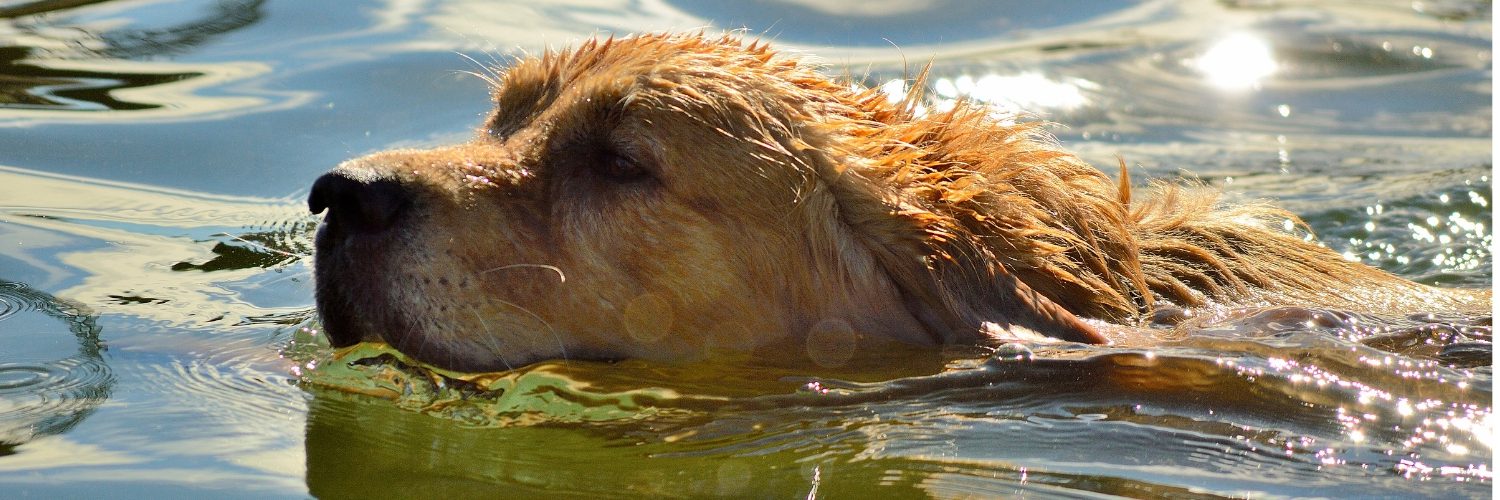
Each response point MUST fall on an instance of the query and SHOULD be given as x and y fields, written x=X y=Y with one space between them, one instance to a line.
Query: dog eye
x=620 y=168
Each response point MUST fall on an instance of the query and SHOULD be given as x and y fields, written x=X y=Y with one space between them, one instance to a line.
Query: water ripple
x=47 y=388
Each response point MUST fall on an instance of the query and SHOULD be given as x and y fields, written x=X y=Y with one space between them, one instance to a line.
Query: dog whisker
x=561 y=278
x=494 y=342
x=552 y=331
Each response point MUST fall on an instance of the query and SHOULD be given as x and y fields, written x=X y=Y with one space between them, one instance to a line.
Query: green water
x=155 y=279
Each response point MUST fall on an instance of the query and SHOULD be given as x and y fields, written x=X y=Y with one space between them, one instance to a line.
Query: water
x=155 y=291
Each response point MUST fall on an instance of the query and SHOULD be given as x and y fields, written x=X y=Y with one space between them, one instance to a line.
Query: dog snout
x=358 y=200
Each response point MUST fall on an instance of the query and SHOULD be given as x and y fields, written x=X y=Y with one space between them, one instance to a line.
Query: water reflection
x=1008 y=97
x=51 y=376
x=150 y=275
x=133 y=253
x=28 y=84
x=869 y=8
x=65 y=64
x=1300 y=412
x=853 y=33
x=213 y=20
x=1239 y=61
x=1025 y=92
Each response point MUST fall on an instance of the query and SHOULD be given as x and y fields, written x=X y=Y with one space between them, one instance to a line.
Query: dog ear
x=948 y=280
x=957 y=287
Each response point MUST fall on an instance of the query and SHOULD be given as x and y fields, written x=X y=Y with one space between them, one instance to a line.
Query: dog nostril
x=361 y=202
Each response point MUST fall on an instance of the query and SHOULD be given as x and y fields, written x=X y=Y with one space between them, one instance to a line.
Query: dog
x=670 y=196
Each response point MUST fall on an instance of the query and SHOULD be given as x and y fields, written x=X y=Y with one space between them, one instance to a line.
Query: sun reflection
x=1456 y=429
x=1239 y=61
x=1007 y=94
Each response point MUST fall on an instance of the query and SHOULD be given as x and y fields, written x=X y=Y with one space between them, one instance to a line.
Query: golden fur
x=669 y=196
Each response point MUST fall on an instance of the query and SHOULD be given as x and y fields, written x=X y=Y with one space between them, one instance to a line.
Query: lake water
x=155 y=274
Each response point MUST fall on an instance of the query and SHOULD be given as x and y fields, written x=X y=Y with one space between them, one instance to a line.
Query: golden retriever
x=671 y=196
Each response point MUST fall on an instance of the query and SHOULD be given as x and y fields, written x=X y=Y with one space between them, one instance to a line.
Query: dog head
x=664 y=197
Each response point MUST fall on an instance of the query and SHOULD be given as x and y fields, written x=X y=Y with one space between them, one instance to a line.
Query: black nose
x=358 y=200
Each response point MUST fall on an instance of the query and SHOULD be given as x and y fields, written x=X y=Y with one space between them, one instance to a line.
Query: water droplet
x=1013 y=351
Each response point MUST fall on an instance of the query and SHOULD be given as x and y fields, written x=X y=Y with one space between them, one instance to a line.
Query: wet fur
x=787 y=202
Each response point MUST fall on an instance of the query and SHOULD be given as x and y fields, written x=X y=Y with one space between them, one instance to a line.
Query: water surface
x=156 y=301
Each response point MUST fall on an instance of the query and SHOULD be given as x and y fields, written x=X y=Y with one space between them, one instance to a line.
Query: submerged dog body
x=668 y=196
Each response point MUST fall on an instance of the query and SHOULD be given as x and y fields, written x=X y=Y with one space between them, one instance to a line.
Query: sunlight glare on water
x=1237 y=62
x=1027 y=91
x=1004 y=95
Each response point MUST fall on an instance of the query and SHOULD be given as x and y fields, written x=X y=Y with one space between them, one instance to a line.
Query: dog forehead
x=560 y=83
x=736 y=110
x=686 y=70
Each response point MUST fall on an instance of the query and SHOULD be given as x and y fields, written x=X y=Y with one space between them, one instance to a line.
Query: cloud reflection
x=1239 y=61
